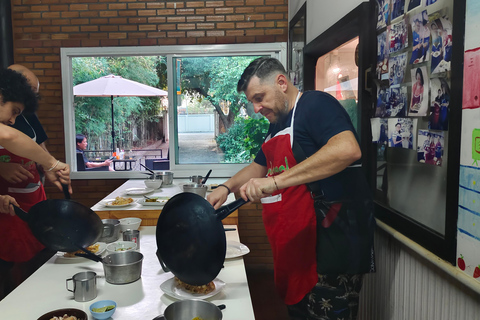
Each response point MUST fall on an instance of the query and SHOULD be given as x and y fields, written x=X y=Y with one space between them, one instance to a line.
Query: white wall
x=321 y=15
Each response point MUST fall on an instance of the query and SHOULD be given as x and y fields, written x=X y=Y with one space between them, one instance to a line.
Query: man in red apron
x=323 y=129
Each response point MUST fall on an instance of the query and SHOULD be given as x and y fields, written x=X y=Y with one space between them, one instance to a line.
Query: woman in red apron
x=19 y=243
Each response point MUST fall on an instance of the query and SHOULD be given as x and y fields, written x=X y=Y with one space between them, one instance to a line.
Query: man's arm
x=220 y=194
x=105 y=163
x=339 y=152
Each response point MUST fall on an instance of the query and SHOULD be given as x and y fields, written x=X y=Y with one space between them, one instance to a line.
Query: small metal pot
x=200 y=189
x=111 y=230
x=189 y=309
x=166 y=176
x=123 y=267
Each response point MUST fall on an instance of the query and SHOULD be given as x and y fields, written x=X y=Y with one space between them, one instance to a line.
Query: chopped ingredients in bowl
x=65 y=317
x=103 y=309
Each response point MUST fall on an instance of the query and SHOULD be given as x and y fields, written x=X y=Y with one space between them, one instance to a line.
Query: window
x=196 y=110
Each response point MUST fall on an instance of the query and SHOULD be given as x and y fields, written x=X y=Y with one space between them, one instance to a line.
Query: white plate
x=108 y=203
x=160 y=201
x=236 y=249
x=101 y=249
x=170 y=289
x=137 y=191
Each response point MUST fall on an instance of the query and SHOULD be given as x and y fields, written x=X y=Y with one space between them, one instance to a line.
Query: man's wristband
x=222 y=185
x=53 y=167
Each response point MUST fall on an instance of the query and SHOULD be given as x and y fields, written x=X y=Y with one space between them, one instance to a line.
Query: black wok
x=62 y=224
x=191 y=239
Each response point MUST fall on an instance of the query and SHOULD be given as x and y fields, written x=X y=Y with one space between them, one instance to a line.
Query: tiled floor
x=266 y=303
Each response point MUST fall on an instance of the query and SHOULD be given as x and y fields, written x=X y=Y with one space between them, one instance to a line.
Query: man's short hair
x=14 y=87
x=79 y=138
x=263 y=68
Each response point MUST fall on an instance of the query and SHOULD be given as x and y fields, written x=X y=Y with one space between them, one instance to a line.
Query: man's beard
x=282 y=111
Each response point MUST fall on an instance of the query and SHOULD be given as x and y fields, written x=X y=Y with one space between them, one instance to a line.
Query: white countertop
x=45 y=290
x=163 y=191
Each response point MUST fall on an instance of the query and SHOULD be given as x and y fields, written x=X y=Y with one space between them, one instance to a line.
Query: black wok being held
x=191 y=240
x=62 y=224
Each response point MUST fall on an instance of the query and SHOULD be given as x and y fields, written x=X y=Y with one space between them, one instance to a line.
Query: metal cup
x=84 y=286
x=132 y=235
x=196 y=179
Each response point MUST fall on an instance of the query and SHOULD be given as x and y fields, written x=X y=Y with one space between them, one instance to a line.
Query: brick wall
x=42 y=27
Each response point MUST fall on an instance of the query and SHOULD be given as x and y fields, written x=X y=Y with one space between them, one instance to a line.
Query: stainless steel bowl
x=123 y=267
x=166 y=176
x=111 y=230
x=189 y=309
x=200 y=189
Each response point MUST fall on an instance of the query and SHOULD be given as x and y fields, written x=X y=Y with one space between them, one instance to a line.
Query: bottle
x=122 y=155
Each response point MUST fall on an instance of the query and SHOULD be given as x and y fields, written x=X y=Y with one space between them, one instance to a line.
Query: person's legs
x=333 y=297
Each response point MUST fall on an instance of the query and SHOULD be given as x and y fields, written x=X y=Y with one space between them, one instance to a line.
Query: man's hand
x=257 y=188
x=107 y=162
x=14 y=172
x=6 y=205
x=218 y=197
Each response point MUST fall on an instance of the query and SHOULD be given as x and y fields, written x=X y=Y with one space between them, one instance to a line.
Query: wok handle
x=88 y=255
x=65 y=191
x=164 y=267
x=225 y=211
x=21 y=213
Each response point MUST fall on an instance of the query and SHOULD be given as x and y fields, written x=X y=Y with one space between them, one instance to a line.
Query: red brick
x=147 y=27
x=196 y=34
x=215 y=33
x=265 y=24
x=147 y=12
x=187 y=41
x=80 y=7
x=244 y=25
x=254 y=2
x=117 y=6
x=225 y=25
x=129 y=42
x=205 y=11
x=274 y=16
x=186 y=26
x=117 y=35
x=109 y=28
x=137 y=20
x=166 y=12
x=129 y=28
x=275 y=31
x=196 y=19
x=109 y=13
x=215 y=18
x=182 y=12
x=97 y=7
x=137 y=5
x=235 y=18
x=207 y=40
x=129 y=13
x=195 y=4
x=275 y=2
x=157 y=20
x=148 y=42
x=214 y=3
x=175 y=19
x=244 y=10
x=156 y=34
x=70 y=29
x=234 y=3
x=39 y=8
x=223 y=10
x=205 y=26
x=80 y=21
x=176 y=34
x=117 y=21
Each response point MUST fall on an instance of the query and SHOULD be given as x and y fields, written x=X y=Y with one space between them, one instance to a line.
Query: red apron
x=18 y=242
x=290 y=223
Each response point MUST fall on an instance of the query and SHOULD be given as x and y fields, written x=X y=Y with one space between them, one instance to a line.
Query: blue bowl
x=100 y=304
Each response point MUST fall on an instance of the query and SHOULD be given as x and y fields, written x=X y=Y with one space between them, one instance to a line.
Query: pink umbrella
x=115 y=86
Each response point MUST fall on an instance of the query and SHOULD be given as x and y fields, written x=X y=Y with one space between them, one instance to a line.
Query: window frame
x=277 y=50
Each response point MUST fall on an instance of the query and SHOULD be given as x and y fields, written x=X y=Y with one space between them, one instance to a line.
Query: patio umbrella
x=115 y=86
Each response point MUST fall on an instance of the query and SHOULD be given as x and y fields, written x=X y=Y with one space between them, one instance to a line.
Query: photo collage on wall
x=414 y=48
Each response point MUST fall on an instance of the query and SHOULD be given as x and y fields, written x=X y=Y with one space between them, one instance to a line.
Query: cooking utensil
x=189 y=309
x=166 y=176
x=197 y=188
x=196 y=179
x=191 y=239
x=148 y=169
x=123 y=267
x=111 y=230
x=162 y=316
x=84 y=286
x=62 y=224
x=206 y=177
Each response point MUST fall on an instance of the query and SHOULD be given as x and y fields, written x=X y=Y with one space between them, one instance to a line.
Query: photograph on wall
x=441 y=52
x=430 y=147
x=412 y=4
x=380 y=136
x=398 y=8
x=439 y=101
x=382 y=54
x=397 y=101
x=419 y=101
x=397 y=66
x=402 y=133
x=383 y=13
x=397 y=36
x=420 y=37
x=471 y=79
x=381 y=105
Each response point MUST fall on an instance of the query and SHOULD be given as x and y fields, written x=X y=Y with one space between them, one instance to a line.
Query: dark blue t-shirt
x=318 y=117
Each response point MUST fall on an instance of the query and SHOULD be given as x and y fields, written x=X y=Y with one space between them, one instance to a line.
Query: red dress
x=290 y=223
x=19 y=244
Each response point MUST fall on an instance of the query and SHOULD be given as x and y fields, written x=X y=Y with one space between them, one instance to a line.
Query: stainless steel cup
x=84 y=286
x=196 y=179
x=132 y=235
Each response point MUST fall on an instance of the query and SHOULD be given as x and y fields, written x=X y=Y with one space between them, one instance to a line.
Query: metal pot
x=200 y=189
x=123 y=267
x=166 y=176
x=111 y=230
x=189 y=309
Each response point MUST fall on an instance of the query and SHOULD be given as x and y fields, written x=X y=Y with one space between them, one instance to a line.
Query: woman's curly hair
x=14 y=87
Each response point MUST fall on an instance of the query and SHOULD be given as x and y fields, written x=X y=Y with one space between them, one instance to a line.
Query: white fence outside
x=189 y=123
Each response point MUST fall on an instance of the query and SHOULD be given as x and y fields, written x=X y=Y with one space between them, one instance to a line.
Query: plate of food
x=137 y=191
x=154 y=201
x=177 y=289
x=236 y=249
x=96 y=248
x=118 y=202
